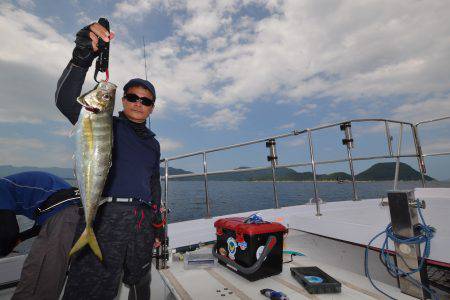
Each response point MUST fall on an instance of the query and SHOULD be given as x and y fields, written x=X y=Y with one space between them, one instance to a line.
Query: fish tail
x=87 y=237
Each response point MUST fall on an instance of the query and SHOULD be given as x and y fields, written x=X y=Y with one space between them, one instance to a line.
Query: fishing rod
x=145 y=69
x=145 y=58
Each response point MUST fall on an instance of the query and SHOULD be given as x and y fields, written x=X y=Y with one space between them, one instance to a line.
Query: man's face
x=136 y=111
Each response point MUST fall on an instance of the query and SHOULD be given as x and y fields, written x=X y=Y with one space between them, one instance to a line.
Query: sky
x=231 y=71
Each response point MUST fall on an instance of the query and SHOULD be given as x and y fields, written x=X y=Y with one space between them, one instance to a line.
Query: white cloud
x=223 y=119
x=63 y=131
x=306 y=109
x=423 y=110
x=203 y=25
x=287 y=126
x=21 y=143
x=168 y=144
x=28 y=4
x=341 y=50
x=296 y=142
x=33 y=152
x=133 y=8
x=436 y=146
x=302 y=51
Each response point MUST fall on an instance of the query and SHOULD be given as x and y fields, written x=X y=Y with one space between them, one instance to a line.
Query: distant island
x=377 y=172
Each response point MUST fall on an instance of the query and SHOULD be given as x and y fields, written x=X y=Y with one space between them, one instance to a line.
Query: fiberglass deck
x=222 y=283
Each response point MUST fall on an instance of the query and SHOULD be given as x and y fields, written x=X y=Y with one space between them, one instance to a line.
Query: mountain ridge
x=377 y=172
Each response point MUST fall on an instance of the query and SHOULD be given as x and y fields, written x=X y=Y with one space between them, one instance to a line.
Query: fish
x=93 y=155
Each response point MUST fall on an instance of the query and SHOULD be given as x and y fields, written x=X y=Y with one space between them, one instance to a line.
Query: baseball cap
x=140 y=82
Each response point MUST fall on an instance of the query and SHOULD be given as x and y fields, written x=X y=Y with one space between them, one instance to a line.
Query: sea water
x=186 y=199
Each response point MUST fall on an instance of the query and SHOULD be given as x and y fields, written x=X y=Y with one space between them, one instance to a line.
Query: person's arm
x=29 y=233
x=68 y=89
x=71 y=81
x=9 y=231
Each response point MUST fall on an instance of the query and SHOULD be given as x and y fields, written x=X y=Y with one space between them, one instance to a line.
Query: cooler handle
x=271 y=241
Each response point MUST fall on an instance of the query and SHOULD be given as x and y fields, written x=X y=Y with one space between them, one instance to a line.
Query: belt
x=122 y=200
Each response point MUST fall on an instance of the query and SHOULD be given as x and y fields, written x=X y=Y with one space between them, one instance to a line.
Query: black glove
x=83 y=55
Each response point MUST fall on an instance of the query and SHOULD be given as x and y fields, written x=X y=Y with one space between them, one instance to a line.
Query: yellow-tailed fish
x=94 y=138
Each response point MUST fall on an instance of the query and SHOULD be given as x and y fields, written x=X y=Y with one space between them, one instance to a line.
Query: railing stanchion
x=205 y=174
x=419 y=153
x=388 y=137
x=348 y=142
x=273 y=158
x=166 y=182
x=352 y=171
x=313 y=168
x=399 y=151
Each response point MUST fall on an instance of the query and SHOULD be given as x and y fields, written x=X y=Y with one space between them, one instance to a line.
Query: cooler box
x=242 y=247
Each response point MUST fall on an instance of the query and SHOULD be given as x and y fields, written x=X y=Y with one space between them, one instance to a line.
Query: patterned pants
x=125 y=235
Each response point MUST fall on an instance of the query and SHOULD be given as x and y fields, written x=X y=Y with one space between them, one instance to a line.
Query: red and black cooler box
x=254 y=251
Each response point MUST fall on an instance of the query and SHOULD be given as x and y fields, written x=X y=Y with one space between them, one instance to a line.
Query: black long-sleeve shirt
x=68 y=89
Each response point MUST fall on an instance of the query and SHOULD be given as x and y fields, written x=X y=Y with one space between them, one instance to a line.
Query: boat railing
x=345 y=127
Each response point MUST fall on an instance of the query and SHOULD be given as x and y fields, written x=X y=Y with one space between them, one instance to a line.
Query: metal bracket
x=348 y=140
x=404 y=218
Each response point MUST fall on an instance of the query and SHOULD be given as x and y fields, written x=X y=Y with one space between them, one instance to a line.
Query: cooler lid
x=237 y=224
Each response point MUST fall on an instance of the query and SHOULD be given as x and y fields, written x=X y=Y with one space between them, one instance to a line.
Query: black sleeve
x=68 y=89
x=9 y=231
x=29 y=233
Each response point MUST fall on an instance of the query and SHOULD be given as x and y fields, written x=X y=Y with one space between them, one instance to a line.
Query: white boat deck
x=329 y=244
x=221 y=283
x=348 y=221
x=351 y=221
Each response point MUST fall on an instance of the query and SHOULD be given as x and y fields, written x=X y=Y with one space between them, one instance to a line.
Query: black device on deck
x=316 y=281
x=241 y=247
x=101 y=64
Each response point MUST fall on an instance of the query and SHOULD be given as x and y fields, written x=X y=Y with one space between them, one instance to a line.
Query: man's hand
x=98 y=31
x=86 y=44
x=157 y=243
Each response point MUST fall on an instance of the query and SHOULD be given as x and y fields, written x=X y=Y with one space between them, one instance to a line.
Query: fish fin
x=82 y=241
x=92 y=240
x=87 y=237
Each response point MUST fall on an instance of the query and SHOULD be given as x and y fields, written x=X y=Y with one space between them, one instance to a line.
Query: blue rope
x=425 y=236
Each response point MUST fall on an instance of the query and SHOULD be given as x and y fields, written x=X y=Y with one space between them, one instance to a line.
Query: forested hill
x=377 y=172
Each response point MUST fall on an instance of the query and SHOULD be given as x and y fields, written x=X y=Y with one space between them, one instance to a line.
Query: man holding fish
x=117 y=168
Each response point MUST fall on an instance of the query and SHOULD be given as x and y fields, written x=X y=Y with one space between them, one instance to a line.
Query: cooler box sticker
x=232 y=245
x=242 y=245
x=259 y=251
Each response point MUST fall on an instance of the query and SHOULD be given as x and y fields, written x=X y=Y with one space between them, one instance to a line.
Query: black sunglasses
x=144 y=100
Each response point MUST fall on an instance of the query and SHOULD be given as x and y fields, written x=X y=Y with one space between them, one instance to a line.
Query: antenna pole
x=145 y=67
x=145 y=58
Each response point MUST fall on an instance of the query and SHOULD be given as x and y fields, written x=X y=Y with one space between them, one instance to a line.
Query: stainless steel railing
x=345 y=126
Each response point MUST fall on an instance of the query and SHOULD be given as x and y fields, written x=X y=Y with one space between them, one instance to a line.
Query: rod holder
x=272 y=145
x=273 y=158
x=348 y=140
